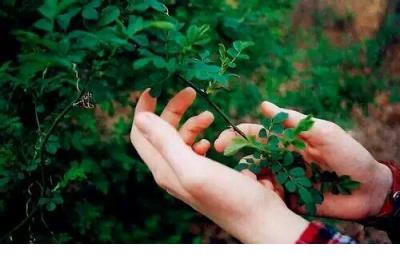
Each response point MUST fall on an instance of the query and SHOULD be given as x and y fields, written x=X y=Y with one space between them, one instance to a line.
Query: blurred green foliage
x=66 y=177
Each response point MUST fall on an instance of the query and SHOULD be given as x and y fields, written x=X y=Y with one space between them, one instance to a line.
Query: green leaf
x=299 y=144
x=305 y=182
x=241 y=45
x=236 y=146
x=305 y=195
x=277 y=129
x=109 y=15
x=154 y=4
x=290 y=186
x=90 y=13
x=266 y=122
x=289 y=134
x=257 y=155
x=43 y=201
x=65 y=19
x=51 y=206
x=255 y=169
x=282 y=177
x=347 y=184
x=135 y=25
x=241 y=167
x=311 y=208
x=288 y=158
x=263 y=133
x=297 y=172
x=276 y=167
x=95 y=3
x=163 y=25
x=273 y=143
x=44 y=24
x=280 y=117
x=49 y=9
x=304 y=125
x=53 y=144
x=76 y=173
x=141 y=63
x=326 y=187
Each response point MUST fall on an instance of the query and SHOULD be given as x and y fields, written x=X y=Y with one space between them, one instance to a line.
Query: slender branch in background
x=37 y=119
x=213 y=105
x=43 y=139
x=76 y=77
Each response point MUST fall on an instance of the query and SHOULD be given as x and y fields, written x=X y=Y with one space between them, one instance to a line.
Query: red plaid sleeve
x=318 y=233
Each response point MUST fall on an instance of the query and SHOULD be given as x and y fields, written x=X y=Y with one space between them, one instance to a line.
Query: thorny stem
x=213 y=105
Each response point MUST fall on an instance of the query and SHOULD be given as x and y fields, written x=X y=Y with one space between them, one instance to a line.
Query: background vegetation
x=71 y=71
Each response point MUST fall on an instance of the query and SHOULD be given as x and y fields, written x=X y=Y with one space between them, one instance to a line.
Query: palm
x=189 y=131
x=334 y=150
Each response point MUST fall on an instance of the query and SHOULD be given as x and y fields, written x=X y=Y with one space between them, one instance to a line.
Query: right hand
x=238 y=204
x=333 y=149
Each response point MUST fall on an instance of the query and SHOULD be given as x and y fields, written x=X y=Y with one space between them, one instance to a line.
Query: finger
x=146 y=102
x=329 y=207
x=164 y=138
x=178 y=105
x=163 y=175
x=226 y=137
x=202 y=147
x=267 y=184
x=194 y=126
x=270 y=110
x=249 y=173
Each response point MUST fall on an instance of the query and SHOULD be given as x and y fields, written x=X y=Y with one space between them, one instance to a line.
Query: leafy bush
x=65 y=176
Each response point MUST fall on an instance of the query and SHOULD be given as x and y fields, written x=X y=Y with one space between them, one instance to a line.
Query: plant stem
x=213 y=105
x=56 y=122
x=43 y=143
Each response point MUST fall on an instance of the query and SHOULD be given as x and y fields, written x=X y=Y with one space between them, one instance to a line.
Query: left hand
x=240 y=205
x=333 y=149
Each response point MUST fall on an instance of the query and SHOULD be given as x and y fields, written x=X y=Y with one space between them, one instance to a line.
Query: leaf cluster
x=276 y=149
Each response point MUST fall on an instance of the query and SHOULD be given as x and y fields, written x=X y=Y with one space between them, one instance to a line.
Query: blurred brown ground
x=379 y=131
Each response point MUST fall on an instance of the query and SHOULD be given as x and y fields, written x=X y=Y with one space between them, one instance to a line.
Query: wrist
x=381 y=188
x=276 y=224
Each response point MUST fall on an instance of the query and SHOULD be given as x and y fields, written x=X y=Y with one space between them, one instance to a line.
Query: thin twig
x=213 y=105
x=37 y=119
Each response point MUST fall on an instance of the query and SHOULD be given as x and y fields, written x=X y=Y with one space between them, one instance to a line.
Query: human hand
x=333 y=149
x=240 y=205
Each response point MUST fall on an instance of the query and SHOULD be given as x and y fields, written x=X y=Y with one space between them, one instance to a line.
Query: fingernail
x=190 y=89
x=208 y=113
x=148 y=91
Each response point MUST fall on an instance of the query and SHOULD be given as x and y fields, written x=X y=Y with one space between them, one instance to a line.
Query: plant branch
x=56 y=121
x=42 y=146
x=213 y=105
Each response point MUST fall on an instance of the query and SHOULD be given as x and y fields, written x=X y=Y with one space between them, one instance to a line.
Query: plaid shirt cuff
x=318 y=233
